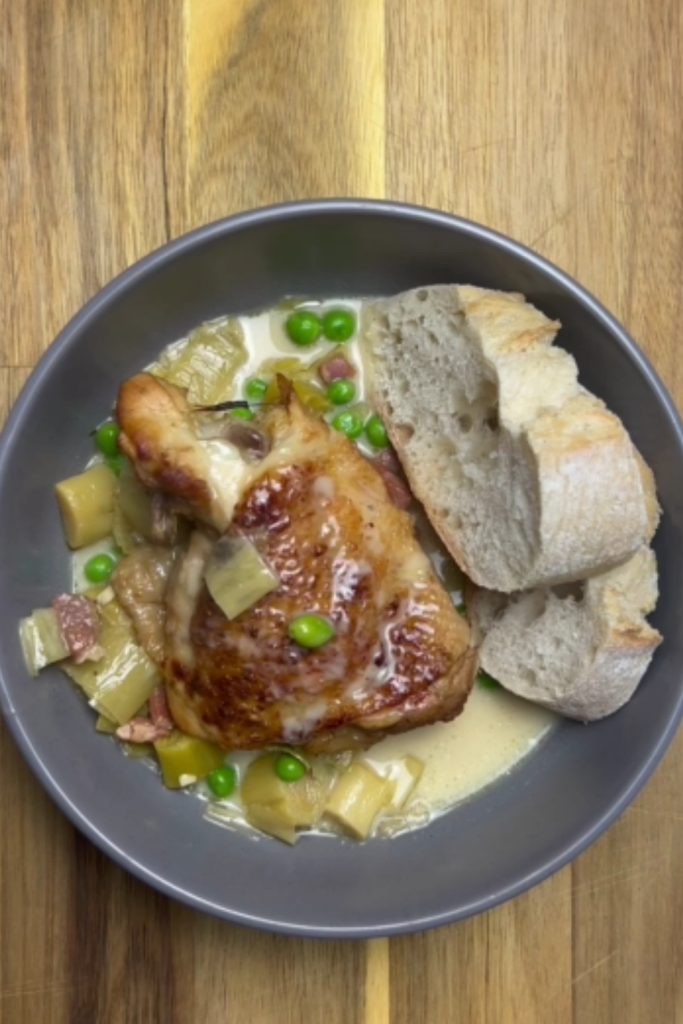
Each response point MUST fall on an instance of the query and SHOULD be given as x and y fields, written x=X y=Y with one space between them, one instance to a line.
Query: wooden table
x=127 y=122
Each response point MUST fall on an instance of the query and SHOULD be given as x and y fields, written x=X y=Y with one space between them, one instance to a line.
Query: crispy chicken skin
x=319 y=515
x=158 y=435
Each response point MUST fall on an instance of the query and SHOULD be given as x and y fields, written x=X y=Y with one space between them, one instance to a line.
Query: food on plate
x=345 y=632
x=206 y=363
x=357 y=799
x=184 y=759
x=581 y=649
x=263 y=612
x=86 y=502
x=512 y=459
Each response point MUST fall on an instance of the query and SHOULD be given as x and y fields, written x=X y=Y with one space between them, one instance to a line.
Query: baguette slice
x=526 y=476
x=580 y=649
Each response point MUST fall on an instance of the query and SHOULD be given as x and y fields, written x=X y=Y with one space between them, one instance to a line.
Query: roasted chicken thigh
x=319 y=516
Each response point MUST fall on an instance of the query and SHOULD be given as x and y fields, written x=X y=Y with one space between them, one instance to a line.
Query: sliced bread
x=580 y=649
x=528 y=478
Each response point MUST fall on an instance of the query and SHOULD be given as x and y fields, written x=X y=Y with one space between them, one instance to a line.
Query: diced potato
x=291 y=805
x=86 y=502
x=359 y=795
x=122 y=680
x=182 y=756
x=207 y=362
x=41 y=640
x=237 y=576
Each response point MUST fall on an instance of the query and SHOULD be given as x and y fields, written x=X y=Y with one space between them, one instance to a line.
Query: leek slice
x=359 y=795
x=119 y=684
x=237 y=576
x=206 y=364
x=41 y=640
x=86 y=502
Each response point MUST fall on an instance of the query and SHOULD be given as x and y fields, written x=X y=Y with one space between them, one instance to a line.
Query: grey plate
x=484 y=851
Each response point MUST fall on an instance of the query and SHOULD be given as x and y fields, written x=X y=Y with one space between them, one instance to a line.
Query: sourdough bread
x=580 y=649
x=528 y=478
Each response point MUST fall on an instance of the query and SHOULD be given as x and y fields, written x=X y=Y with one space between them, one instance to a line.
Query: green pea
x=107 y=438
x=116 y=462
x=303 y=327
x=339 y=324
x=222 y=781
x=241 y=413
x=348 y=422
x=311 y=630
x=376 y=432
x=289 y=768
x=255 y=388
x=461 y=607
x=487 y=681
x=99 y=568
x=341 y=391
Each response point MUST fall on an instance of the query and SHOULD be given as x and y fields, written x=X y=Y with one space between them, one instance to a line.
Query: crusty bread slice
x=580 y=649
x=526 y=476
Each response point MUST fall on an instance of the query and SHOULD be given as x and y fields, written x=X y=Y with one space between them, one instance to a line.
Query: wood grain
x=123 y=124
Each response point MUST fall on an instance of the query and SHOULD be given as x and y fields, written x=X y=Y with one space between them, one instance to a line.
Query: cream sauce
x=495 y=730
x=265 y=338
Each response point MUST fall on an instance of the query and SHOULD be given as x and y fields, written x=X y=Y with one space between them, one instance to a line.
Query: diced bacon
x=147 y=730
x=388 y=459
x=79 y=625
x=140 y=730
x=397 y=489
x=159 y=711
x=337 y=367
x=389 y=468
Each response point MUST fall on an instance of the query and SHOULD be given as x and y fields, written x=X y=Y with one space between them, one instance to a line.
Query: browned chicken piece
x=139 y=582
x=160 y=435
x=319 y=515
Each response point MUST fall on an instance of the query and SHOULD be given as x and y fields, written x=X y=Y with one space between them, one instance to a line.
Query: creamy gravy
x=495 y=730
